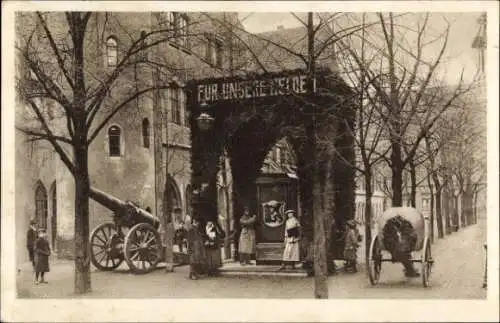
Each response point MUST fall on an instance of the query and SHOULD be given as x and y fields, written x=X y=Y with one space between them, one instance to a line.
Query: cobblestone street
x=457 y=274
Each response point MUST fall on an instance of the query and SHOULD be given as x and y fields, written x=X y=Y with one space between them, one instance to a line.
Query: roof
x=281 y=50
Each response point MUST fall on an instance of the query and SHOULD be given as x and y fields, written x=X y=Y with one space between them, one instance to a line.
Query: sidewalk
x=457 y=274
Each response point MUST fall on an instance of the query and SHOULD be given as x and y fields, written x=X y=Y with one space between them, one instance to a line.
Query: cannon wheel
x=426 y=262
x=142 y=248
x=374 y=261
x=105 y=252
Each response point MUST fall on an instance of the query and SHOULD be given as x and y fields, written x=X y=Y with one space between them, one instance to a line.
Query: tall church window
x=41 y=205
x=114 y=136
x=145 y=133
x=112 y=51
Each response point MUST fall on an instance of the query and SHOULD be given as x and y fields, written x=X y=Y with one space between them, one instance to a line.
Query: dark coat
x=42 y=253
x=196 y=249
x=213 y=252
x=351 y=244
x=31 y=236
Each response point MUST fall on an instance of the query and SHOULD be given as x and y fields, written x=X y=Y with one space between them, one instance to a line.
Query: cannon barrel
x=128 y=213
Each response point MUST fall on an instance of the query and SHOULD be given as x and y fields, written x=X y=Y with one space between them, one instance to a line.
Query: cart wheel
x=142 y=248
x=106 y=247
x=374 y=261
x=426 y=262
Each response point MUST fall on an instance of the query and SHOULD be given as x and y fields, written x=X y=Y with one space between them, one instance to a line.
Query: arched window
x=173 y=196
x=114 y=136
x=41 y=205
x=145 y=132
x=112 y=51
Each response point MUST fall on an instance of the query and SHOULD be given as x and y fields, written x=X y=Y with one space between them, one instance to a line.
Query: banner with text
x=244 y=90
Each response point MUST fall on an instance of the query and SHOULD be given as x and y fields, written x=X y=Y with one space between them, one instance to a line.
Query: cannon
x=132 y=237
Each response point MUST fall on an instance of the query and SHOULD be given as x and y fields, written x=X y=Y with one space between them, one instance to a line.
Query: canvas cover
x=419 y=223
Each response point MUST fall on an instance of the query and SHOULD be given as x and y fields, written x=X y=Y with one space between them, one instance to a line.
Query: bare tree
x=62 y=52
x=407 y=75
x=369 y=131
x=310 y=48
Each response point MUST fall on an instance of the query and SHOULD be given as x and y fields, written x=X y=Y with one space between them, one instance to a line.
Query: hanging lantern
x=204 y=120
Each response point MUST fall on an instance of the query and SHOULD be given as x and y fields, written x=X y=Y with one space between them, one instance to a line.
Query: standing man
x=31 y=236
x=246 y=246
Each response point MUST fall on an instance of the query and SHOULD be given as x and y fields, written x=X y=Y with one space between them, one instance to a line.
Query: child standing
x=352 y=240
x=42 y=253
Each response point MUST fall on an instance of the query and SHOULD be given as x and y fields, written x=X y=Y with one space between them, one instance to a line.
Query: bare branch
x=57 y=54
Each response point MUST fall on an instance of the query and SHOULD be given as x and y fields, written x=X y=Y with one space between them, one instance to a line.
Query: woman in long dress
x=292 y=237
x=246 y=245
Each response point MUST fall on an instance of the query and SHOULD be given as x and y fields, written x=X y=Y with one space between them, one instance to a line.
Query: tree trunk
x=227 y=240
x=475 y=206
x=431 y=191
x=447 y=209
x=80 y=150
x=319 y=240
x=463 y=209
x=368 y=212
x=439 y=214
x=82 y=189
x=456 y=216
x=413 y=185
x=469 y=208
x=397 y=174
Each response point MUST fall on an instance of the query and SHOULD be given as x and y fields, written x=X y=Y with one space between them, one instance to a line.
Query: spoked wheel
x=427 y=262
x=142 y=248
x=374 y=260
x=106 y=247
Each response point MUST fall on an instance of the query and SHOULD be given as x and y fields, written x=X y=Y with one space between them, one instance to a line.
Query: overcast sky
x=459 y=52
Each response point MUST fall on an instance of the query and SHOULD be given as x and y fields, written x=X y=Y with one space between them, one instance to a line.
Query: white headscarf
x=210 y=229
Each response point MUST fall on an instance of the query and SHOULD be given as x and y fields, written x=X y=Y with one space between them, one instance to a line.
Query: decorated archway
x=249 y=116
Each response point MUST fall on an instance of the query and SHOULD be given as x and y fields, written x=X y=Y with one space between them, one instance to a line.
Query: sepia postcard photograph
x=215 y=161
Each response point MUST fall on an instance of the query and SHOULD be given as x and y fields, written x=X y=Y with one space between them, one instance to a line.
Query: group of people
x=38 y=251
x=292 y=237
x=204 y=247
